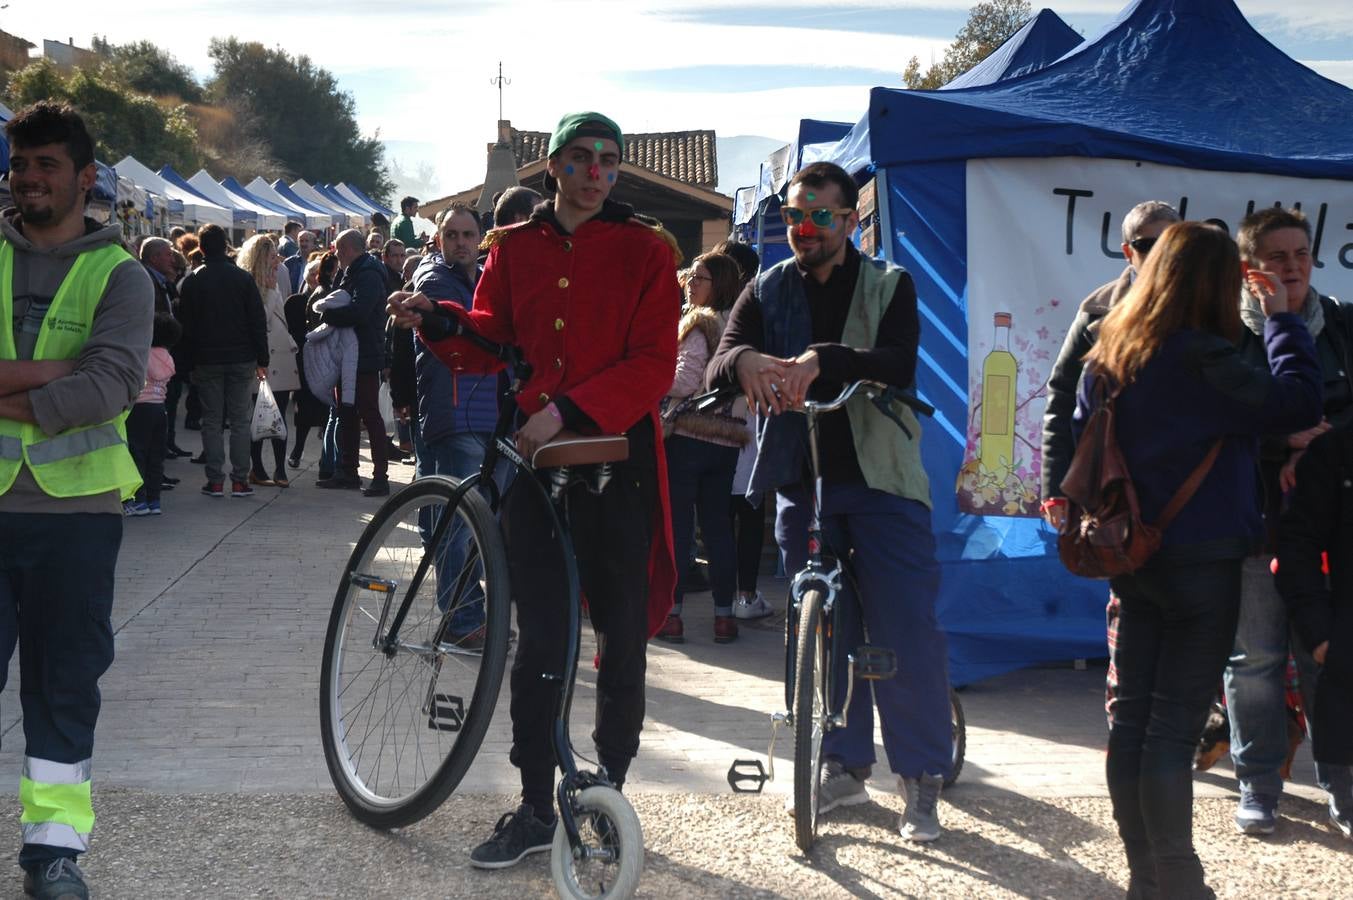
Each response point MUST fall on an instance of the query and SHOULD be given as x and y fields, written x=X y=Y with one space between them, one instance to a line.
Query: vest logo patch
x=68 y=326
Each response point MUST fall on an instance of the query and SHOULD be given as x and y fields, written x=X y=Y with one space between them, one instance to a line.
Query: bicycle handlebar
x=880 y=394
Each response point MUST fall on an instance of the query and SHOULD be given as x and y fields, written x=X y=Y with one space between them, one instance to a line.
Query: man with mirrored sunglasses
x=804 y=329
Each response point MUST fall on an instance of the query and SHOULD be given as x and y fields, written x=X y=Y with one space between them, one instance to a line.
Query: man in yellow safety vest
x=71 y=364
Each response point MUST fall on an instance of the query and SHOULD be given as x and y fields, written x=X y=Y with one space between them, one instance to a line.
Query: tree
x=298 y=107
x=146 y=68
x=121 y=121
x=989 y=25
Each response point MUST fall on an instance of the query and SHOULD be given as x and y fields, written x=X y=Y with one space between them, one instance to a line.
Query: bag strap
x=1188 y=488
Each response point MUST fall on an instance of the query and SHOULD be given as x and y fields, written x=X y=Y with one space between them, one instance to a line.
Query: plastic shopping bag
x=268 y=421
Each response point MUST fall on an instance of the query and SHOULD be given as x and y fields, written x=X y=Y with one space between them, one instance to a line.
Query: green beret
x=584 y=124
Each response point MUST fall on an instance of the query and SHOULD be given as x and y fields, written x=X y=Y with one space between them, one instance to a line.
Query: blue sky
x=420 y=70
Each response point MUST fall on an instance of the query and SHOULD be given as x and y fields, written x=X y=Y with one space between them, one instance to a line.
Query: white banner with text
x=1044 y=233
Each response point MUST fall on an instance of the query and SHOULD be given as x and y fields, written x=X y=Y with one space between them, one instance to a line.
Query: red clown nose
x=807 y=228
x=594 y=171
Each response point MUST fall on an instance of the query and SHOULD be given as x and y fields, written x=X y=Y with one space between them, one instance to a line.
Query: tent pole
x=882 y=204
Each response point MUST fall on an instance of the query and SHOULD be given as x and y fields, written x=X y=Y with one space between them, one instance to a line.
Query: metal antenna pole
x=500 y=81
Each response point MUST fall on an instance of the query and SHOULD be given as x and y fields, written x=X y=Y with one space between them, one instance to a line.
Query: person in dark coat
x=1318 y=525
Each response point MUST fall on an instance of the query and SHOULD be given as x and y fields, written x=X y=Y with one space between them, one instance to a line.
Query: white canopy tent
x=313 y=197
x=350 y=195
x=205 y=184
x=315 y=219
x=195 y=210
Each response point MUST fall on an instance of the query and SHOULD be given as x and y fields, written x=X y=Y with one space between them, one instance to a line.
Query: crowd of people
x=1220 y=356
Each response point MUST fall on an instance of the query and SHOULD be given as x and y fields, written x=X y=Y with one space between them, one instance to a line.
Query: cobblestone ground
x=210 y=780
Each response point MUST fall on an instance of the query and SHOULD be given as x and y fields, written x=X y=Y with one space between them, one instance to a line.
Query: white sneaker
x=754 y=607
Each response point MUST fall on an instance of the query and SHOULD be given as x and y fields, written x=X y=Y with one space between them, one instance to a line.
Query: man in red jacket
x=588 y=291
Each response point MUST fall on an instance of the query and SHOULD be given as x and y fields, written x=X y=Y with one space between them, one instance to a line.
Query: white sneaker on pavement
x=753 y=607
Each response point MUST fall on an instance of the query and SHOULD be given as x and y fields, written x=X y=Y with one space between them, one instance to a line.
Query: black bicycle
x=812 y=641
x=410 y=676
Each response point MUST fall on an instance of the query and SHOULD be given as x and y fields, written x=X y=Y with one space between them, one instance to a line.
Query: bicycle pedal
x=874 y=663
x=747 y=771
x=372 y=583
x=447 y=713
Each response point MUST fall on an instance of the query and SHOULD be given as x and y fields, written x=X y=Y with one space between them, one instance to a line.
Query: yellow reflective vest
x=93 y=459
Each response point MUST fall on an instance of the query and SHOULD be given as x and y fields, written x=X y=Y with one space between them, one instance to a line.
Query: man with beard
x=803 y=329
x=72 y=359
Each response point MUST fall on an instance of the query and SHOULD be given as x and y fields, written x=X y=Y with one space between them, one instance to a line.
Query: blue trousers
x=59 y=615
x=329 y=457
x=892 y=549
x=457 y=455
x=700 y=478
x=1256 y=685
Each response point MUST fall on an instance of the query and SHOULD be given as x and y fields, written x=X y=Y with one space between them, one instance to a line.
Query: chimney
x=505 y=132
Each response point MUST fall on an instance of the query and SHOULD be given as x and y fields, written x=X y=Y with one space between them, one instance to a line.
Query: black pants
x=279 y=445
x=749 y=530
x=146 y=439
x=611 y=539
x=1175 y=631
x=178 y=387
x=368 y=411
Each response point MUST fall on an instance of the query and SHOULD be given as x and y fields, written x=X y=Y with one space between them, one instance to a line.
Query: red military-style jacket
x=595 y=314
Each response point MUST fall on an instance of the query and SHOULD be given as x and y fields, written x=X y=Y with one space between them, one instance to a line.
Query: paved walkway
x=208 y=747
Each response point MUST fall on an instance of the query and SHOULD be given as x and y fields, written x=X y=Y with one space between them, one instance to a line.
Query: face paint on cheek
x=611 y=177
x=568 y=170
x=594 y=172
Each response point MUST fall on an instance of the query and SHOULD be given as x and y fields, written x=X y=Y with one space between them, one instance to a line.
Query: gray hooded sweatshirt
x=111 y=368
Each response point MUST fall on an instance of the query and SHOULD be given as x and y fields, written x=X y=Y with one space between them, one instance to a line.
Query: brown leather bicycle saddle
x=572 y=449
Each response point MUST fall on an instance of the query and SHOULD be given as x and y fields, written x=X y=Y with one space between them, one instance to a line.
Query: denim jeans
x=898 y=579
x=225 y=390
x=456 y=456
x=1175 y=628
x=328 y=454
x=1256 y=684
x=700 y=478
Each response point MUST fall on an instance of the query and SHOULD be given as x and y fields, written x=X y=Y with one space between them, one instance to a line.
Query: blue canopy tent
x=1043 y=39
x=237 y=191
x=1158 y=85
x=341 y=202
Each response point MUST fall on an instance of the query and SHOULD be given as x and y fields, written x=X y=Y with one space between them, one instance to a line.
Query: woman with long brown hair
x=258 y=257
x=1168 y=351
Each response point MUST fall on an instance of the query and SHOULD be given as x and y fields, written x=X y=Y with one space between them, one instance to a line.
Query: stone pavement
x=210 y=734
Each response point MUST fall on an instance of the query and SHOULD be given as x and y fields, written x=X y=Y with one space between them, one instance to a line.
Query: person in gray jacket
x=73 y=361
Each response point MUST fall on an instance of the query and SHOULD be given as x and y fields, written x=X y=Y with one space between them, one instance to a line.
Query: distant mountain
x=740 y=159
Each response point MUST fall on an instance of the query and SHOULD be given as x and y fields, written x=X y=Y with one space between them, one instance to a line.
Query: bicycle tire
x=395 y=764
x=810 y=705
x=960 y=737
x=606 y=821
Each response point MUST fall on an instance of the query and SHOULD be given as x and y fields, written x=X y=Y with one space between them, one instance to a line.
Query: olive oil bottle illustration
x=999 y=373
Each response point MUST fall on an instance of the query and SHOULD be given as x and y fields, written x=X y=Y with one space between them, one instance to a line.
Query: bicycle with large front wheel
x=417 y=642
x=812 y=639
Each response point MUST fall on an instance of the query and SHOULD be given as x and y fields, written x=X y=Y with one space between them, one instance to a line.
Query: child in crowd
x=146 y=421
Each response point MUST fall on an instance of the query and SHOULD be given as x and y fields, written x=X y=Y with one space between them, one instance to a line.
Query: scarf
x=1252 y=312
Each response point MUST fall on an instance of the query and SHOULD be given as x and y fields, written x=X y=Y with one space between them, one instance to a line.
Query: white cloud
x=1340 y=70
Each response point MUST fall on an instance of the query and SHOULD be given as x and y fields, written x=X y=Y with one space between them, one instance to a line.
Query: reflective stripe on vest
x=81 y=461
x=57 y=810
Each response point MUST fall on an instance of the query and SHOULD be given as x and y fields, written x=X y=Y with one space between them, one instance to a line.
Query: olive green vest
x=81 y=461
x=889 y=460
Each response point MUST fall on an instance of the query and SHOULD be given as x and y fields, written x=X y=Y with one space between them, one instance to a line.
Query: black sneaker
x=378 y=487
x=516 y=836
x=340 y=483
x=58 y=879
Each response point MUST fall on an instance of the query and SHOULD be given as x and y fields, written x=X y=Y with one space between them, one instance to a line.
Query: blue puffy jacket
x=472 y=406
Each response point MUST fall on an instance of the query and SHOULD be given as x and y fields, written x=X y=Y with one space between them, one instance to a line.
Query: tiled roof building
x=687 y=156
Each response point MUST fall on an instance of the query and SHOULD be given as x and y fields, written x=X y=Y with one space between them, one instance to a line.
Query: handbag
x=1104 y=535
x=268 y=421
